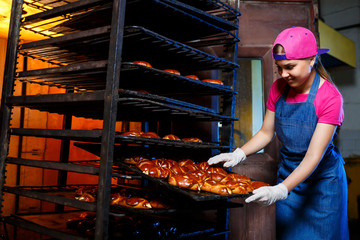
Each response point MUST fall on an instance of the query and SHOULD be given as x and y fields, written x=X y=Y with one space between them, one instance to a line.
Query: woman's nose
x=284 y=74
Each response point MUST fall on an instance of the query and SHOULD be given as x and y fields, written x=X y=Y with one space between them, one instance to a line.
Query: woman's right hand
x=230 y=159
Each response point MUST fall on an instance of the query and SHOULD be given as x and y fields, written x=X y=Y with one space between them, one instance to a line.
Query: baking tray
x=161 y=82
x=139 y=44
x=194 y=195
x=53 y=224
x=92 y=75
x=162 y=15
x=95 y=136
x=129 y=108
x=85 y=166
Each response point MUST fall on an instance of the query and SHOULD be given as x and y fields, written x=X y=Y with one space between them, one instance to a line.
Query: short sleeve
x=277 y=88
x=329 y=105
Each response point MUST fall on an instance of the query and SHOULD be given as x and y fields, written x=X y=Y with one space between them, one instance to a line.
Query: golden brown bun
x=145 y=164
x=137 y=202
x=150 y=135
x=258 y=184
x=239 y=177
x=176 y=169
x=143 y=63
x=132 y=134
x=87 y=197
x=173 y=71
x=192 y=77
x=158 y=204
x=158 y=172
x=184 y=181
x=215 y=81
x=192 y=139
x=171 y=137
x=133 y=159
x=215 y=187
x=115 y=198
x=162 y=162
x=203 y=166
x=186 y=162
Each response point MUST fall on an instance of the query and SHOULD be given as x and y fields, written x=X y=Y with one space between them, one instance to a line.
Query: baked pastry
x=158 y=204
x=203 y=166
x=133 y=159
x=215 y=187
x=162 y=162
x=145 y=165
x=132 y=133
x=116 y=198
x=171 y=137
x=239 y=177
x=184 y=181
x=87 y=197
x=173 y=71
x=149 y=135
x=258 y=184
x=192 y=77
x=215 y=81
x=143 y=63
x=217 y=170
x=176 y=170
x=136 y=202
x=186 y=162
x=192 y=139
x=158 y=172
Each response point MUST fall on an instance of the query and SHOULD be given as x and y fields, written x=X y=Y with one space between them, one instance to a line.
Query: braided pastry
x=171 y=137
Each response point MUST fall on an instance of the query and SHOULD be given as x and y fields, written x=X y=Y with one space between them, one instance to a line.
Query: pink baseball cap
x=298 y=42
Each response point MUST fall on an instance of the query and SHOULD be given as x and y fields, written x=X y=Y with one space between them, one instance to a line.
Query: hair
x=318 y=66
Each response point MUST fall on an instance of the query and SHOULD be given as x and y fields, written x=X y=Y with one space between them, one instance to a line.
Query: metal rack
x=95 y=81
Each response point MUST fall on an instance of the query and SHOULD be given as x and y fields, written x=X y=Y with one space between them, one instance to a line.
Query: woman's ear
x=312 y=61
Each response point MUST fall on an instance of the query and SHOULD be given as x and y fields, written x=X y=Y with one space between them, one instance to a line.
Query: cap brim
x=323 y=50
x=279 y=56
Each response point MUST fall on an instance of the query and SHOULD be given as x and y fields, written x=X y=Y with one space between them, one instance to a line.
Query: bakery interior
x=95 y=87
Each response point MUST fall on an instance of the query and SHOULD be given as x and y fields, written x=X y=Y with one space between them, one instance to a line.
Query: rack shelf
x=92 y=46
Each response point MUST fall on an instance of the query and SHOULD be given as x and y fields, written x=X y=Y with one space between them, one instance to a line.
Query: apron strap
x=314 y=88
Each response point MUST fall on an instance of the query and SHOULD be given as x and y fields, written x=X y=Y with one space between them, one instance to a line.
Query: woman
x=304 y=109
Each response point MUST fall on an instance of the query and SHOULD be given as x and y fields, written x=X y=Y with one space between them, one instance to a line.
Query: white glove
x=230 y=159
x=269 y=195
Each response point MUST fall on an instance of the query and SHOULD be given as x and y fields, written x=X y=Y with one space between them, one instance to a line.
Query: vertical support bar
x=227 y=130
x=8 y=87
x=110 y=111
x=21 y=138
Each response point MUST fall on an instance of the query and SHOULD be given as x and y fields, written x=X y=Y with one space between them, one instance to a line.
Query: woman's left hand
x=269 y=195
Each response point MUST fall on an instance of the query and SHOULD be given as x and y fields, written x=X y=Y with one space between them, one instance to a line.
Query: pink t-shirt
x=328 y=101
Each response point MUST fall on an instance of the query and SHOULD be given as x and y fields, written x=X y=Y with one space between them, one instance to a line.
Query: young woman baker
x=304 y=109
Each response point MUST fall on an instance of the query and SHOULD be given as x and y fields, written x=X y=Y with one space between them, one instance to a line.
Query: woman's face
x=297 y=72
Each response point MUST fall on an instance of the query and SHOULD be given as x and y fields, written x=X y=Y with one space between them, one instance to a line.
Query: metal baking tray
x=197 y=196
x=53 y=224
x=139 y=44
x=95 y=136
x=65 y=195
x=208 y=5
x=161 y=82
x=85 y=166
x=92 y=75
x=132 y=107
x=162 y=15
x=143 y=44
x=166 y=100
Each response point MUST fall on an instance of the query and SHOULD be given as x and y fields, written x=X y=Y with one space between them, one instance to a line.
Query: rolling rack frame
x=110 y=99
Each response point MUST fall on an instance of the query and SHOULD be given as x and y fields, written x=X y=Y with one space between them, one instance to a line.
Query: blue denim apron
x=316 y=208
